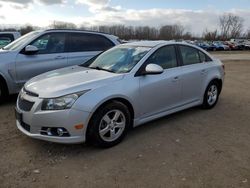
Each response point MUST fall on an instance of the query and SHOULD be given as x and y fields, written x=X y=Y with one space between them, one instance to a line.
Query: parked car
x=8 y=37
x=206 y=46
x=125 y=86
x=240 y=46
x=231 y=45
x=42 y=51
x=220 y=46
x=247 y=46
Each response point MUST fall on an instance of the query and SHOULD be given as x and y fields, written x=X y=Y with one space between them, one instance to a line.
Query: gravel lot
x=193 y=148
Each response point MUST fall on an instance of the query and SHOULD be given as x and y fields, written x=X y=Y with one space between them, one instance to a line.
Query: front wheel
x=109 y=125
x=211 y=95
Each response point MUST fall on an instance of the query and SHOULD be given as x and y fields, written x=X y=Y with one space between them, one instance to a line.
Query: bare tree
x=187 y=36
x=169 y=32
x=62 y=25
x=26 y=29
x=231 y=26
x=210 y=35
x=247 y=34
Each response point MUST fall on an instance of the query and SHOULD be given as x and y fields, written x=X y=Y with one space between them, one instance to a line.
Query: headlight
x=61 y=103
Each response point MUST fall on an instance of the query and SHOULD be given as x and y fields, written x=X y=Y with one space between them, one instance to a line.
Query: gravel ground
x=233 y=55
x=192 y=148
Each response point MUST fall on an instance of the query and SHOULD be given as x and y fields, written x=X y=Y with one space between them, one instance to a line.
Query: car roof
x=152 y=44
x=78 y=30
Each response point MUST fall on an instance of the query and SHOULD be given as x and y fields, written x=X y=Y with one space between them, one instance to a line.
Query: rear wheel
x=211 y=95
x=109 y=125
x=3 y=92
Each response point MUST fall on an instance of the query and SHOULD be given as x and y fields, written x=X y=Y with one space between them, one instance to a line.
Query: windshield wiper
x=100 y=68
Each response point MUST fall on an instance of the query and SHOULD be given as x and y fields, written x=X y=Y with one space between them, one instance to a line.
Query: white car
x=123 y=87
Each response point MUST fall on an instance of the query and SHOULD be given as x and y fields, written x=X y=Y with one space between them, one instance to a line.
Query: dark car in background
x=206 y=46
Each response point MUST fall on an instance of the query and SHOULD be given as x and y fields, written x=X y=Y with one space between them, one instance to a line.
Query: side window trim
x=199 y=53
x=67 y=42
x=178 y=52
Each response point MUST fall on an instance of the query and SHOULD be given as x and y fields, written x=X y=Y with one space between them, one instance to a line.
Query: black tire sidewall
x=3 y=93
x=93 y=136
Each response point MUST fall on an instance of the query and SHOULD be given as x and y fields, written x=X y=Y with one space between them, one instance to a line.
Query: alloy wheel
x=212 y=95
x=112 y=125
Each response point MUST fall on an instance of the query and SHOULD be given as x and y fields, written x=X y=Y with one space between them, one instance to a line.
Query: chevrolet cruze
x=123 y=87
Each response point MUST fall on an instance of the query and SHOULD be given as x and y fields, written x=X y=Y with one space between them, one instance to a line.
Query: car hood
x=6 y=51
x=3 y=51
x=69 y=80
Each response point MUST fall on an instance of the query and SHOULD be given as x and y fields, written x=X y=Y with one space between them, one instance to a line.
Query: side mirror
x=153 y=69
x=30 y=49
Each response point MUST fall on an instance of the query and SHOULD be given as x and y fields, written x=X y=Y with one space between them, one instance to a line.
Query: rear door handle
x=204 y=71
x=176 y=78
x=60 y=57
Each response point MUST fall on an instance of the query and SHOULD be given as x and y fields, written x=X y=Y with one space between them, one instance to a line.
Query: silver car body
x=16 y=67
x=149 y=96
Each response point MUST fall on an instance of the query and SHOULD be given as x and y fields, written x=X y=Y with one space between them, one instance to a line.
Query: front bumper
x=56 y=139
x=37 y=119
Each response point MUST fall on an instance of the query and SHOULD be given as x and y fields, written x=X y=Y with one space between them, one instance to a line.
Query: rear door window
x=204 y=57
x=82 y=42
x=189 y=55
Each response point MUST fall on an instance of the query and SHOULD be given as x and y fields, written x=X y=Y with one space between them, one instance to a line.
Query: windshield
x=4 y=41
x=17 y=43
x=119 y=59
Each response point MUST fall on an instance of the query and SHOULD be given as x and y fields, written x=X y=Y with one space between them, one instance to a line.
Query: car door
x=193 y=70
x=51 y=55
x=161 y=92
x=84 y=46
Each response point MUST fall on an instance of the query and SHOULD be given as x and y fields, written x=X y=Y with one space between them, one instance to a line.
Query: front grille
x=24 y=104
x=25 y=126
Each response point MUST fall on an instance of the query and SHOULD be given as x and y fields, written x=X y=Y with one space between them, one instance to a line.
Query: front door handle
x=60 y=57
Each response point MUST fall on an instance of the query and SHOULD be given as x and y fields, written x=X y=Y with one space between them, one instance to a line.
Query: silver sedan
x=123 y=87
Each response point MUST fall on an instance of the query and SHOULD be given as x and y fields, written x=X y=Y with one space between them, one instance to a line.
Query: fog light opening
x=49 y=133
x=54 y=131
x=60 y=131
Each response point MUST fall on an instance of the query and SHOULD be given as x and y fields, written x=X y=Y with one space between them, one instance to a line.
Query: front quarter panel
x=7 y=70
x=126 y=88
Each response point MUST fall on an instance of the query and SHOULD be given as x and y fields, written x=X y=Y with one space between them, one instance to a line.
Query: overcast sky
x=195 y=15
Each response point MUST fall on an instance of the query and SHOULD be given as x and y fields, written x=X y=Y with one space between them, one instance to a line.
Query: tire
x=3 y=92
x=211 y=95
x=109 y=125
